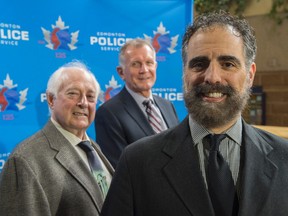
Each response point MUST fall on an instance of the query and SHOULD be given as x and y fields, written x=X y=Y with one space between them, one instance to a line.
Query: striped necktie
x=95 y=166
x=154 y=118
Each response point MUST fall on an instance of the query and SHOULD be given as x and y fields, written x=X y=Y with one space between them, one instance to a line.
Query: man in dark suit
x=123 y=119
x=169 y=173
x=49 y=173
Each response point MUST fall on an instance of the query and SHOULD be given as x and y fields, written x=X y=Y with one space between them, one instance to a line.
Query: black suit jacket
x=160 y=176
x=120 y=121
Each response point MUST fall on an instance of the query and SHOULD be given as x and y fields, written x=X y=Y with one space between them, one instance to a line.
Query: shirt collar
x=235 y=132
x=198 y=132
x=137 y=97
x=74 y=140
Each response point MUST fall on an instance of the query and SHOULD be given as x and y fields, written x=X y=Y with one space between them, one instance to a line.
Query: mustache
x=209 y=88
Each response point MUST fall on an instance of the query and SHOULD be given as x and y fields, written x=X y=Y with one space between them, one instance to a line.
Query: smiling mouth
x=80 y=114
x=215 y=91
x=214 y=94
x=144 y=78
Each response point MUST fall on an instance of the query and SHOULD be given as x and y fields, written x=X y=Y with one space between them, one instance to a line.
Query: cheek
x=153 y=70
x=190 y=79
x=130 y=76
x=239 y=83
x=153 y=77
x=66 y=106
x=92 y=108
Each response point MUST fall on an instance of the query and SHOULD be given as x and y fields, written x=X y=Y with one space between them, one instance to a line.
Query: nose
x=83 y=102
x=212 y=74
x=144 y=68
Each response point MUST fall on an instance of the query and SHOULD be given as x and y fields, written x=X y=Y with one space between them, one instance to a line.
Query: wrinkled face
x=139 y=70
x=75 y=105
x=216 y=82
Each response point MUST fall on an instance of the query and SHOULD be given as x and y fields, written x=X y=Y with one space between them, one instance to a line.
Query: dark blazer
x=45 y=176
x=120 y=121
x=160 y=176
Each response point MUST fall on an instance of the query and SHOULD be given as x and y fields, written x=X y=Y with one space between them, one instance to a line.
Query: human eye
x=198 y=64
x=136 y=64
x=229 y=62
x=150 y=63
x=228 y=65
x=91 y=97
x=73 y=94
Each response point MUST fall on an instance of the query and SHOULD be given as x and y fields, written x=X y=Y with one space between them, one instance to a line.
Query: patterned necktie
x=153 y=117
x=95 y=166
x=220 y=182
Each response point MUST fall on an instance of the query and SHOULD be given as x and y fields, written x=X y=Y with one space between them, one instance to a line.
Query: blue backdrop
x=36 y=37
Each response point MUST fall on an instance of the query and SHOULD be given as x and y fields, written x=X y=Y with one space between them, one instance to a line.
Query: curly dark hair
x=221 y=18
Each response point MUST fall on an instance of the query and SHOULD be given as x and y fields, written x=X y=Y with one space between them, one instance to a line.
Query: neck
x=223 y=128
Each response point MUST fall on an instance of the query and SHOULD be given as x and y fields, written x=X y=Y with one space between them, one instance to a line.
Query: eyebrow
x=197 y=59
x=229 y=58
x=220 y=58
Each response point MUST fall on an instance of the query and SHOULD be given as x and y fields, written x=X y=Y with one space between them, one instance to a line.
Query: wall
x=275 y=86
x=272 y=66
x=258 y=7
x=272 y=43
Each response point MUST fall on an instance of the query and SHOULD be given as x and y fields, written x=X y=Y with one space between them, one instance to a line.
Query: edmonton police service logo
x=10 y=97
x=161 y=41
x=59 y=37
x=111 y=90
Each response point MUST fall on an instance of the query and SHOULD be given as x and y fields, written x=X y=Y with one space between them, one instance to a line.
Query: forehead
x=77 y=76
x=217 y=40
x=133 y=51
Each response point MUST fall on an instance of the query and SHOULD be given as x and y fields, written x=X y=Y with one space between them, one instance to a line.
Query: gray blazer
x=120 y=121
x=45 y=176
x=160 y=175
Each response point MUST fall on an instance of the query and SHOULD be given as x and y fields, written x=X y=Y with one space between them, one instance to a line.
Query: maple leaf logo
x=161 y=41
x=59 y=37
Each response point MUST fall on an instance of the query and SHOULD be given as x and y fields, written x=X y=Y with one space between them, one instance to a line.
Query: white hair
x=57 y=78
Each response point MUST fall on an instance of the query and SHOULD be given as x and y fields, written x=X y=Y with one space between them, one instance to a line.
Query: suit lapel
x=71 y=161
x=183 y=172
x=184 y=175
x=76 y=167
x=135 y=112
x=257 y=174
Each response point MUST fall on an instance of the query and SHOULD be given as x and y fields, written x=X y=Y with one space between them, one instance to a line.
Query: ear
x=252 y=73
x=120 y=72
x=50 y=100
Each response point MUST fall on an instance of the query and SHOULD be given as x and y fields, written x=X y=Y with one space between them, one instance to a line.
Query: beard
x=212 y=115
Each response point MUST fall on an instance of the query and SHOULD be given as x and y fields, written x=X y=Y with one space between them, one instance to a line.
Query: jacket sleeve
x=110 y=135
x=21 y=192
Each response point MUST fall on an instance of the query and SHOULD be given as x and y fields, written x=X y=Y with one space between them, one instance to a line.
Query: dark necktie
x=220 y=182
x=153 y=117
x=95 y=166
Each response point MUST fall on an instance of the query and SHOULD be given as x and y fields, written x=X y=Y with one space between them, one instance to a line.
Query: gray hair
x=56 y=79
x=241 y=28
x=137 y=43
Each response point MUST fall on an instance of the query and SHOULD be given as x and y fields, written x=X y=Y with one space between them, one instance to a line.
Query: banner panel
x=36 y=37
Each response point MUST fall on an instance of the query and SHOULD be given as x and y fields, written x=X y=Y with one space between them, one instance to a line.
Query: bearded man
x=213 y=163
